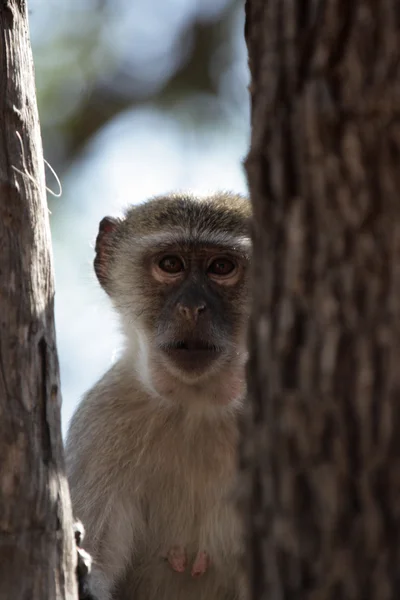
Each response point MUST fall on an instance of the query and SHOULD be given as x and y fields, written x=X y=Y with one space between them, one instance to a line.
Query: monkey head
x=177 y=270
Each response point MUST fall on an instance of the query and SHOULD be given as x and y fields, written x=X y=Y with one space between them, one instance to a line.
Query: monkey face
x=199 y=307
x=180 y=283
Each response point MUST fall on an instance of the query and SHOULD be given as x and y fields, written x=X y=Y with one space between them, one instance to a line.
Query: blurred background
x=136 y=98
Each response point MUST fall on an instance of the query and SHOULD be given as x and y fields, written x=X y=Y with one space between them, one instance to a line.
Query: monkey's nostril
x=184 y=310
x=181 y=346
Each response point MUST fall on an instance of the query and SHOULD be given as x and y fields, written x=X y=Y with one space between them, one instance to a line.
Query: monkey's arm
x=113 y=551
x=109 y=522
x=108 y=513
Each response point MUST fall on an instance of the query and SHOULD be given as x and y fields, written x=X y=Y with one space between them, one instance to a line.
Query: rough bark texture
x=37 y=552
x=323 y=438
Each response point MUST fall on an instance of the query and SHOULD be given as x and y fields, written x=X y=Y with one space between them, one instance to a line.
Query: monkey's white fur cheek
x=138 y=353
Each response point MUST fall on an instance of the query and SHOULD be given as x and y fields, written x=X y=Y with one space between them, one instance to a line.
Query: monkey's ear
x=104 y=246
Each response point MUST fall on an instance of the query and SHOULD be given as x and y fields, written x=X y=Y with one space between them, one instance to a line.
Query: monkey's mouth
x=192 y=355
x=193 y=345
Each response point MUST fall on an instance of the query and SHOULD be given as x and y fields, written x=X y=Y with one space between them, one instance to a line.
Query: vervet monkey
x=151 y=450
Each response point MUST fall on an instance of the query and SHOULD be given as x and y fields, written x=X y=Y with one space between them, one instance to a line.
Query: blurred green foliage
x=98 y=58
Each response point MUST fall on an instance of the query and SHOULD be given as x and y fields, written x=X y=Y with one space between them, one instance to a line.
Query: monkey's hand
x=177 y=559
x=84 y=564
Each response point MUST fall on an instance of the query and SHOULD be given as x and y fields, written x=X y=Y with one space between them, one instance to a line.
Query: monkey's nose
x=191 y=313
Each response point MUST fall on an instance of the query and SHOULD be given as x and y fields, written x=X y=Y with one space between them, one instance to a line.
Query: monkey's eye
x=171 y=264
x=221 y=267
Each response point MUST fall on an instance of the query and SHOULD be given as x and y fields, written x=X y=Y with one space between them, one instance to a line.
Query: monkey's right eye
x=171 y=264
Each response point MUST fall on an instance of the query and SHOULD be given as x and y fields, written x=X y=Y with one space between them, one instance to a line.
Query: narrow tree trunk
x=323 y=440
x=37 y=552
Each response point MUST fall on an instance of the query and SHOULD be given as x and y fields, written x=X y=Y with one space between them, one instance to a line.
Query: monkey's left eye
x=222 y=267
x=171 y=264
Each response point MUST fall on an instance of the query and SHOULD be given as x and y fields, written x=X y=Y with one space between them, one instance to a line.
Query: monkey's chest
x=186 y=501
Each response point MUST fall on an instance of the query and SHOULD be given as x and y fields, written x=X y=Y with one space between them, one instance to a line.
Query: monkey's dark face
x=199 y=310
x=180 y=281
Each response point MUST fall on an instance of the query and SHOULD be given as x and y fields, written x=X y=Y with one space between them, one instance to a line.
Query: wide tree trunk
x=37 y=550
x=322 y=441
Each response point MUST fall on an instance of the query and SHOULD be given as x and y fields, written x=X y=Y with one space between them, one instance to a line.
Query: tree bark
x=37 y=550
x=322 y=440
